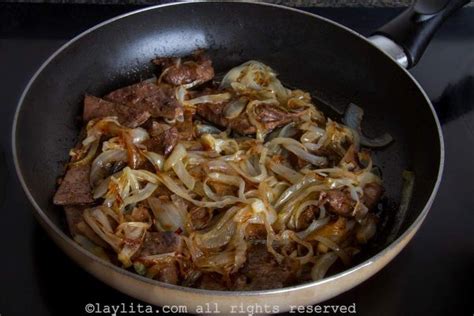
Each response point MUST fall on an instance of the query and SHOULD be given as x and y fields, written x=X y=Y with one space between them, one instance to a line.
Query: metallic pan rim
x=367 y=268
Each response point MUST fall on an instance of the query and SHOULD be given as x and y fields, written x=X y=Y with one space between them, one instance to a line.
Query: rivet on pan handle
x=406 y=37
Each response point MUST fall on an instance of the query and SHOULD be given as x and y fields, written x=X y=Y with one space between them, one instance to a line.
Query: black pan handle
x=413 y=29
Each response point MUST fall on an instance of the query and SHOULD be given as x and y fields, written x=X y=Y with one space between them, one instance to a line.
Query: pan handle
x=405 y=38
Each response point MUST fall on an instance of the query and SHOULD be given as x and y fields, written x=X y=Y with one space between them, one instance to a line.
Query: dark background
x=299 y=3
x=433 y=275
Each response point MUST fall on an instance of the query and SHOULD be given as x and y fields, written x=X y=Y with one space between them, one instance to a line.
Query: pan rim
x=70 y=243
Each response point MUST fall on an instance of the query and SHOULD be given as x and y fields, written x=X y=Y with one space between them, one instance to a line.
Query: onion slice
x=101 y=161
x=306 y=156
x=353 y=118
x=169 y=217
x=157 y=160
x=213 y=98
x=221 y=233
x=234 y=108
x=178 y=153
x=322 y=265
x=316 y=224
x=184 y=175
x=285 y=172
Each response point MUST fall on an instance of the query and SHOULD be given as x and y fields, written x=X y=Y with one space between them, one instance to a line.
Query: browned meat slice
x=75 y=187
x=335 y=230
x=213 y=113
x=256 y=232
x=239 y=282
x=263 y=271
x=177 y=71
x=212 y=281
x=306 y=217
x=296 y=162
x=168 y=273
x=127 y=115
x=156 y=243
x=77 y=225
x=140 y=214
x=134 y=93
x=272 y=117
x=340 y=202
x=162 y=139
x=170 y=139
x=186 y=128
x=157 y=129
x=164 y=104
x=268 y=116
x=372 y=194
x=158 y=100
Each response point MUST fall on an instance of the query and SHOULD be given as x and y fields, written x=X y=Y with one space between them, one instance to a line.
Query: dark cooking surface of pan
x=451 y=96
x=308 y=53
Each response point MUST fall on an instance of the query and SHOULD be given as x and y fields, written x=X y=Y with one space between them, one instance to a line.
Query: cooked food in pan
x=237 y=184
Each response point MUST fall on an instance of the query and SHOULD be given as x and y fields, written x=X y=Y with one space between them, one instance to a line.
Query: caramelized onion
x=133 y=234
x=157 y=160
x=234 y=108
x=212 y=98
x=169 y=217
x=306 y=156
x=220 y=191
x=285 y=172
x=221 y=233
x=353 y=119
x=100 y=162
x=322 y=265
x=98 y=219
x=315 y=225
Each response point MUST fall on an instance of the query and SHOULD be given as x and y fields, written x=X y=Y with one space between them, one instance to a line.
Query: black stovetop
x=433 y=275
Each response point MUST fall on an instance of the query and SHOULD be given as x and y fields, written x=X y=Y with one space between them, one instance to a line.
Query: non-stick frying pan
x=309 y=52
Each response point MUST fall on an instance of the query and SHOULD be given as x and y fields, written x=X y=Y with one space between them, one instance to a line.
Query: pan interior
x=309 y=53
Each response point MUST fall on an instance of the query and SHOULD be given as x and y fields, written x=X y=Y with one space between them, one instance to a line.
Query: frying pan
x=308 y=51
